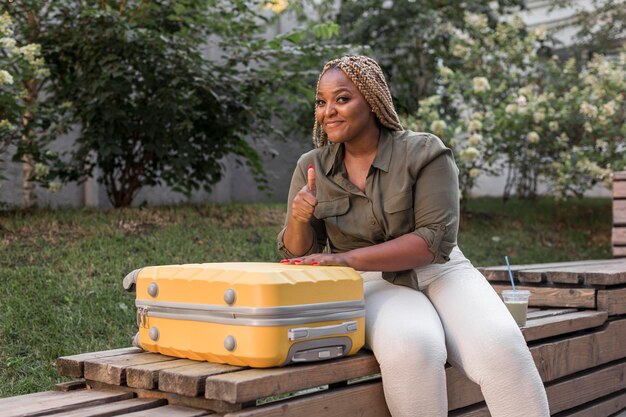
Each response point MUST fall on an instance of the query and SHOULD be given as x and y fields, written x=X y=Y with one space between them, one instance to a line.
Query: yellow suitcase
x=251 y=314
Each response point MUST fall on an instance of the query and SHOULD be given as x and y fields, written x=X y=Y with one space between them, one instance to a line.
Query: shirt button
x=373 y=222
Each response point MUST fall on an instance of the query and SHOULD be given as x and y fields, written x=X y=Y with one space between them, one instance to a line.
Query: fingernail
x=297 y=261
x=285 y=261
x=314 y=263
x=310 y=166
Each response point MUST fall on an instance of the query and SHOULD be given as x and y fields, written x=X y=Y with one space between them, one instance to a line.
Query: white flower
x=538 y=117
x=533 y=137
x=521 y=101
x=5 y=24
x=588 y=109
x=481 y=84
x=475 y=126
x=5 y=77
x=437 y=127
x=30 y=52
x=6 y=125
x=460 y=51
x=474 y=172
x=511 y=108
x=55 y=187
x=609 y=108
x=478 y=115
x=7 y=43
x=525 y=91
x=475 y=139
x=588 y=127
x=541 y=32
x=41 y=170
x=469 y=154
x=446 y=72
x=553 y=126
x=476 y=21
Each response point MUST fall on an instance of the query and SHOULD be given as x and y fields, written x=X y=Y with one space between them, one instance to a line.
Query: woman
x=385 y=202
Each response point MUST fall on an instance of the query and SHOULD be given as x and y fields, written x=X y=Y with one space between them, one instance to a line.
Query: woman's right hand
x=303 y=204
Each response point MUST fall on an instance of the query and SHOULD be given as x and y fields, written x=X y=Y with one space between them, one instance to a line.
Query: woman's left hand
x=338 y=259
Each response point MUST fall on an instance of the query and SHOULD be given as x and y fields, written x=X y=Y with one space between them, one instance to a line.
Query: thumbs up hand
x=303 y=205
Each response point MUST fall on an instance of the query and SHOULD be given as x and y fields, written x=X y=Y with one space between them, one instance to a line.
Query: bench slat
x=556 y=297
x=500 y=273
x=602 y=408
x=536 y=313
x=190 y=380
x=610 y=273
x=618 y=236
x=252 y=384
x=360 y=400
x=50 y=402
x=612 y=301
x=112 y=370
x=553 y=360
x=72 y=366
x=146 y=376
x=619 y=212
x=543 y=327
x=172 y=411
x=118 y=408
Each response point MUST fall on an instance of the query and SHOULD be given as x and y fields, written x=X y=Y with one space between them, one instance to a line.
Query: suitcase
x=249 y=314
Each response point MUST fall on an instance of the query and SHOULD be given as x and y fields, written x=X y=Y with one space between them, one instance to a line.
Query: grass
x=61 y=271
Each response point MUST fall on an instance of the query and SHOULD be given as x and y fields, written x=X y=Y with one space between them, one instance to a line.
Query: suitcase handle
x=302 y=333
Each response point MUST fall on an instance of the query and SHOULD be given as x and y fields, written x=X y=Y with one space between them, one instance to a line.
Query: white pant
x=458 y=317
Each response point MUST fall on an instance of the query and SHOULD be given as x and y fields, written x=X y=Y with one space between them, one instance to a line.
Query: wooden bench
x=576 y=332
x=619 y=214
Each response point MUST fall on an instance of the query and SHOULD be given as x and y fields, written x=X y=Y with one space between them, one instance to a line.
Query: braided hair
x=367 y=76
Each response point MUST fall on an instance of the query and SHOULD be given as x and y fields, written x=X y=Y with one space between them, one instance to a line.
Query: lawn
x=61 y=271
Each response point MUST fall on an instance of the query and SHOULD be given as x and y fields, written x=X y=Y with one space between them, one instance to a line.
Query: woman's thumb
x=311 y=179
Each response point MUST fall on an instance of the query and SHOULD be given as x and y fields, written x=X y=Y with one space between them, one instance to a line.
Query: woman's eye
x=342 y=99
x=319 y=103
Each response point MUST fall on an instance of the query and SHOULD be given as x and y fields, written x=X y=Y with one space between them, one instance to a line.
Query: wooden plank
x=117 y=408
x=215 y=406
x=612 y=301
x=579 y=390
x=173 y=411
x=500 y=273
x=360 y=400
x=544 y=327
x=70 y=386
x=611 y=273
x=619 y=189
x=50 y=402
x=604 y=407
x=547 y=312
x=251 y=384
x=619 y=251
x=619 y=212
x=567 y=356
x=190 y=380
x=461 y=391
x=112 y=370
x=618 y=237
x=146 y=376
x=556 y=297
x=72 y=366
x=619 y=176
x=474 y=411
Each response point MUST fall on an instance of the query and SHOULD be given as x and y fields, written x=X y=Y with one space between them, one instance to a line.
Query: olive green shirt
x=412 y=187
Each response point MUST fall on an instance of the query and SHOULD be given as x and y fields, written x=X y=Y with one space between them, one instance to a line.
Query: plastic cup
x=517 y=303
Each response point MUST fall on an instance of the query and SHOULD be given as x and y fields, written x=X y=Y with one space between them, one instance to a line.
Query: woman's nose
x=329 y=110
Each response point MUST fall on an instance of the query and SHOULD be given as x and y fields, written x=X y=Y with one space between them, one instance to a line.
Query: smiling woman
x=385 y=202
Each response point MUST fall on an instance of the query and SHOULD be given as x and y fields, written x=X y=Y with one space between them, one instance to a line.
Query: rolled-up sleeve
x=436 y=205
x=298 y=180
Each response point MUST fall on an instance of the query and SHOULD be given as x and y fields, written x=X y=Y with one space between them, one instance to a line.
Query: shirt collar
x=381 y=161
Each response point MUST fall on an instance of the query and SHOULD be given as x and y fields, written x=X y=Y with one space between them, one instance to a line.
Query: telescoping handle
x=302 y=333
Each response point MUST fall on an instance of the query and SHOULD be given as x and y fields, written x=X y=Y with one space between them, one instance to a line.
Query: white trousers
x=456 y=317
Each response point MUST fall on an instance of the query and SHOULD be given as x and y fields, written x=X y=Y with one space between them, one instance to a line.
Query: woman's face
x=341 y=109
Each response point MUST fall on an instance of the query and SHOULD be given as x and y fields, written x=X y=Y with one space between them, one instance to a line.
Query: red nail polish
x=297 y=261
x=310 y=166
x=314 y=263
x=285 y=261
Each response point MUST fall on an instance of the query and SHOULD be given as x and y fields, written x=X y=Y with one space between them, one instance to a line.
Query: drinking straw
x=506 y=258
